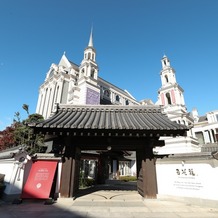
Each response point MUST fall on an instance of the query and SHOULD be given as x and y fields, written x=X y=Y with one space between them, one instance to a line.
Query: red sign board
x=39 y=182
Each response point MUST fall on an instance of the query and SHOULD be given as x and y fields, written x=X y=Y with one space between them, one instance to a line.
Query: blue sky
x=130 y=37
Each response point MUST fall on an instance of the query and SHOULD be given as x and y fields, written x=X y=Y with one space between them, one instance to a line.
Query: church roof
x=139 y=120
x=110 y=85
x=202 y=118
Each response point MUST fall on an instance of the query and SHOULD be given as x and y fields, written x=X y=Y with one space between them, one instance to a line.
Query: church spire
x=89 y=52
x=89 y=67
x=91 y=39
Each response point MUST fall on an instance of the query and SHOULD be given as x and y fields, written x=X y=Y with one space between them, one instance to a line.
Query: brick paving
x=106 y=202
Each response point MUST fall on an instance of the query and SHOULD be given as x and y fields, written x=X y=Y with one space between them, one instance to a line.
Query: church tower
x=171 y=98
x=88 y=76
x=170 y=95
x=69 y=83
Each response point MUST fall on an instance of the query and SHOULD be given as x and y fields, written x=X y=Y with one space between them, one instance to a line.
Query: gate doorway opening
x=109 y=168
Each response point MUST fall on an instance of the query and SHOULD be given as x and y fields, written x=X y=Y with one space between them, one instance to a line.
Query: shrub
x=84 y=181
x=128 y=178
x=89 y=182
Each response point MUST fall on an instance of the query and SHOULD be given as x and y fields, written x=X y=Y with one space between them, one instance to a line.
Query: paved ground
x=101 y=203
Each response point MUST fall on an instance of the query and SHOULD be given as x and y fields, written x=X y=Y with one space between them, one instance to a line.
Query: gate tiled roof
x=111 y=117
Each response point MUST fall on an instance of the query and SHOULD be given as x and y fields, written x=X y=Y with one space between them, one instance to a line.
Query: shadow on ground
x=111 y=185
x=61 y=208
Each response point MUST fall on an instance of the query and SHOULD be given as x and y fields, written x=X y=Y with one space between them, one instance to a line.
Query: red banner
x=39 y=182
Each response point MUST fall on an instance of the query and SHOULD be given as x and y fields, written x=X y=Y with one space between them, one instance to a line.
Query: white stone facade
x=205 y=129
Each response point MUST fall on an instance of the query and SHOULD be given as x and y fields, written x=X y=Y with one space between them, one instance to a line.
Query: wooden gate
x=70 y=172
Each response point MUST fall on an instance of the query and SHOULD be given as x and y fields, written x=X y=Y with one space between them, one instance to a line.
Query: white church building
x=73 y=84
x=69 y=83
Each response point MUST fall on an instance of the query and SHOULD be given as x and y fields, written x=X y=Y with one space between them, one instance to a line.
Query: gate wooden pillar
x=102 y=169
x=146 y=171
x=69 y=184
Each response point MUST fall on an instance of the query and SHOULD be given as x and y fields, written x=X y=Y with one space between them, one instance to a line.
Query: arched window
x=56 y=95
x=92 y=73
x=127 y=102
x=48 y=104
x=40 y=105
x=44 y=103
x=51 y=73
x=107 y=93
x=213 y=135
x=118 y=98
x=166 y=78
x=168 y=98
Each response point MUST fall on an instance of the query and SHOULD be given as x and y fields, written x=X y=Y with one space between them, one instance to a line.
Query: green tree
x=17 y=117
x=20 y=133
x=26 y=108
x=24 y=135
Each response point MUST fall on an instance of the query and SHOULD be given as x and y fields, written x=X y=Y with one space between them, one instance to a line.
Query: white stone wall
x=14 y=174
x=192 y=177
x=178 y=145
